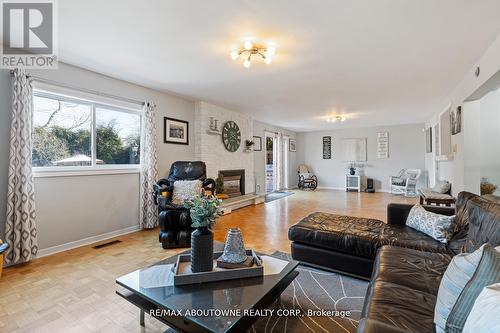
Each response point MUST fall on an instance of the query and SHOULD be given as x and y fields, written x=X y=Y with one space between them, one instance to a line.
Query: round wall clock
x=231 y=136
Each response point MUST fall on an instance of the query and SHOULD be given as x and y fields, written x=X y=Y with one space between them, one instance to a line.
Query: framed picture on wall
x=292 y=145
x=175 y=131
x=428 y=140
x=456 y=121
x=327 y=147
x=257 y=146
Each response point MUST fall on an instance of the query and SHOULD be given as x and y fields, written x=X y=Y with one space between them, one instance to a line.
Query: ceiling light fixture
x=334 y=119
x=249 y=50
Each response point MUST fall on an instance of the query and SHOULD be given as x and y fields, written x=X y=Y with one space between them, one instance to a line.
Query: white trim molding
x=56 y=172
x=86 y=241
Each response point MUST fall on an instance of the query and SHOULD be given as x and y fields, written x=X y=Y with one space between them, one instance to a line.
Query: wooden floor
x=73 y=291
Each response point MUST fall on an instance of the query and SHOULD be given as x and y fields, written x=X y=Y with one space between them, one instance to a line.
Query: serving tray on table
x=183 y=274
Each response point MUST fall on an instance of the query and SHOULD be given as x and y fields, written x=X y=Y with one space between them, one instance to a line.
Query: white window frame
x=95 y=102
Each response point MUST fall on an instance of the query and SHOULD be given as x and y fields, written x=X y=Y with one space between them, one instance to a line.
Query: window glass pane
x=61 y=135
x=118 y=137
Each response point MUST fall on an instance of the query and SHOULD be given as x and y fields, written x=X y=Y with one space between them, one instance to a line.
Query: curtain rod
x=89 y=91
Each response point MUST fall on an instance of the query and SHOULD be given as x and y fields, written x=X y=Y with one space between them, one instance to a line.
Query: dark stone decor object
x=231 y=136
x=352 y=171
x=202 y=249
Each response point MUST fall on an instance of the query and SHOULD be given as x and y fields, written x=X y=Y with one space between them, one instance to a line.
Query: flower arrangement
x=203 y=211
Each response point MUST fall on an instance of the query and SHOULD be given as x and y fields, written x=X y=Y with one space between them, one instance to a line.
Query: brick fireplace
x=233 y=182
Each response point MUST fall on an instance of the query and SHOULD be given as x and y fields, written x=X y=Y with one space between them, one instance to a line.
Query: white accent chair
x=406 y=182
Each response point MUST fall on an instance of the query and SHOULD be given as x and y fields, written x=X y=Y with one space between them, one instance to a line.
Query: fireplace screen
x=233 y=182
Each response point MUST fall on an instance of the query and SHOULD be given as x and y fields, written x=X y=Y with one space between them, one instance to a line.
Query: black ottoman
x=348 y=244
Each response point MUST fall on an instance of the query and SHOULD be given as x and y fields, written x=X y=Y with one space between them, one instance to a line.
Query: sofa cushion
x=458 y=274
x=411 y=268
x=440 y=227
x=484 y=223
x=486 y=273
x=442 y=186
x=358 y=236
x=399 y=306
x=185 y=190
x=484 y=314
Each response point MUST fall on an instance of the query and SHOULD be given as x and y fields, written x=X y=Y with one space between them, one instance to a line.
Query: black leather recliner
x=174 y=220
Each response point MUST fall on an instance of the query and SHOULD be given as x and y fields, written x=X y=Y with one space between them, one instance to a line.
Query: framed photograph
x=292 y=145
x=257 y=146
x=175 y=131
x=428 y=140
x=383 y=145
x=327 y=147
x=456 y=121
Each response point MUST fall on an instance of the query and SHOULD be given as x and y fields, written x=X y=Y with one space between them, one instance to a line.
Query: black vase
x=352 y=171
x=202 y=250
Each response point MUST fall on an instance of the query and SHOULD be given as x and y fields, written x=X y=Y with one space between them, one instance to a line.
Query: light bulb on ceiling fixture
x=234 y=55
x=342 y=119
x=246 y=63
x=248 y=45
x=268 y=60
x=334 y=120
x=270 y=51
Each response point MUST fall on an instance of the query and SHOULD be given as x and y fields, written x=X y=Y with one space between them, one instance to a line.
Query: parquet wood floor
x=73 y=291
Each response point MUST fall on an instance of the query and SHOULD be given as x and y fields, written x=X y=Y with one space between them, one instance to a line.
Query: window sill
x=77 y=173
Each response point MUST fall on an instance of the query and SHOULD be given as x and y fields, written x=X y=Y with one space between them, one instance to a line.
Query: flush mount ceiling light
x=251 y=50
x=334 y=119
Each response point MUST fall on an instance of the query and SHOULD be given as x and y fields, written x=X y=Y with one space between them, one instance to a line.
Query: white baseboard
x=343 y=189
x=86 y=241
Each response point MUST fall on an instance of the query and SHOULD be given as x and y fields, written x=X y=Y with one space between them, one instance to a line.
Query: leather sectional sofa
x=406 y=267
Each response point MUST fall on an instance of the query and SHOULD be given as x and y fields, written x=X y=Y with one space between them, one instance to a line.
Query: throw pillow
x=440 y=227
x=458 y=274
x=442 y=187
x=487 y=272
x=185 y=190
x=484 y=314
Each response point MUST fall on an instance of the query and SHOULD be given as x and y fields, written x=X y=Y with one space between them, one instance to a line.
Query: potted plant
x=203 y=211
x=248 y=145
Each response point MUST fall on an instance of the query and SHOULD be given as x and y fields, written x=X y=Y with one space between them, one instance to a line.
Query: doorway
x=276 y=162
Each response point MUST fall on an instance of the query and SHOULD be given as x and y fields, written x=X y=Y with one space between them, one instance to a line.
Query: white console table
x=353 y=182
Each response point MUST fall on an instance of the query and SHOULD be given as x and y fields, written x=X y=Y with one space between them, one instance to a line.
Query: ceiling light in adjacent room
x=334 y=119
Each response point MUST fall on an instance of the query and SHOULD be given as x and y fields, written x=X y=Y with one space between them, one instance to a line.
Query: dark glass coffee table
x=224 y=306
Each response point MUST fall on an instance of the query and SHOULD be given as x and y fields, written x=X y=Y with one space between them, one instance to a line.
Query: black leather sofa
x=407 y=267
x=174 y=220
x=402 y=293
x=349 y=245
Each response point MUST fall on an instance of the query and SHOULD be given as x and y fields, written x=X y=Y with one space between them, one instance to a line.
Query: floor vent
x=100 y=246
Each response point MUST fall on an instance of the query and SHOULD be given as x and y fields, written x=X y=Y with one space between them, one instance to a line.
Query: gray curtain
x=20 y=230
x=149 y=167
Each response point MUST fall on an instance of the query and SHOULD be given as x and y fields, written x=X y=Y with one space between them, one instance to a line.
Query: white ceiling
x=377 y=62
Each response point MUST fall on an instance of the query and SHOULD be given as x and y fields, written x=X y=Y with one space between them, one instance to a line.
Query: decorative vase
x=234 y=250
x=202 y=250
x=352 y=171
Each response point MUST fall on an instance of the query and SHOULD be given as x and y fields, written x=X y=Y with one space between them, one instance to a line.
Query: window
x=72 y=134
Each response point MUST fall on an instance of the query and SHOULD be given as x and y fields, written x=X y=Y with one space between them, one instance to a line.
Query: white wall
x=259 y=129
x=489 y=137
x=406 y=150
x=73 y=208
x=210 y=149
x=453 y=170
